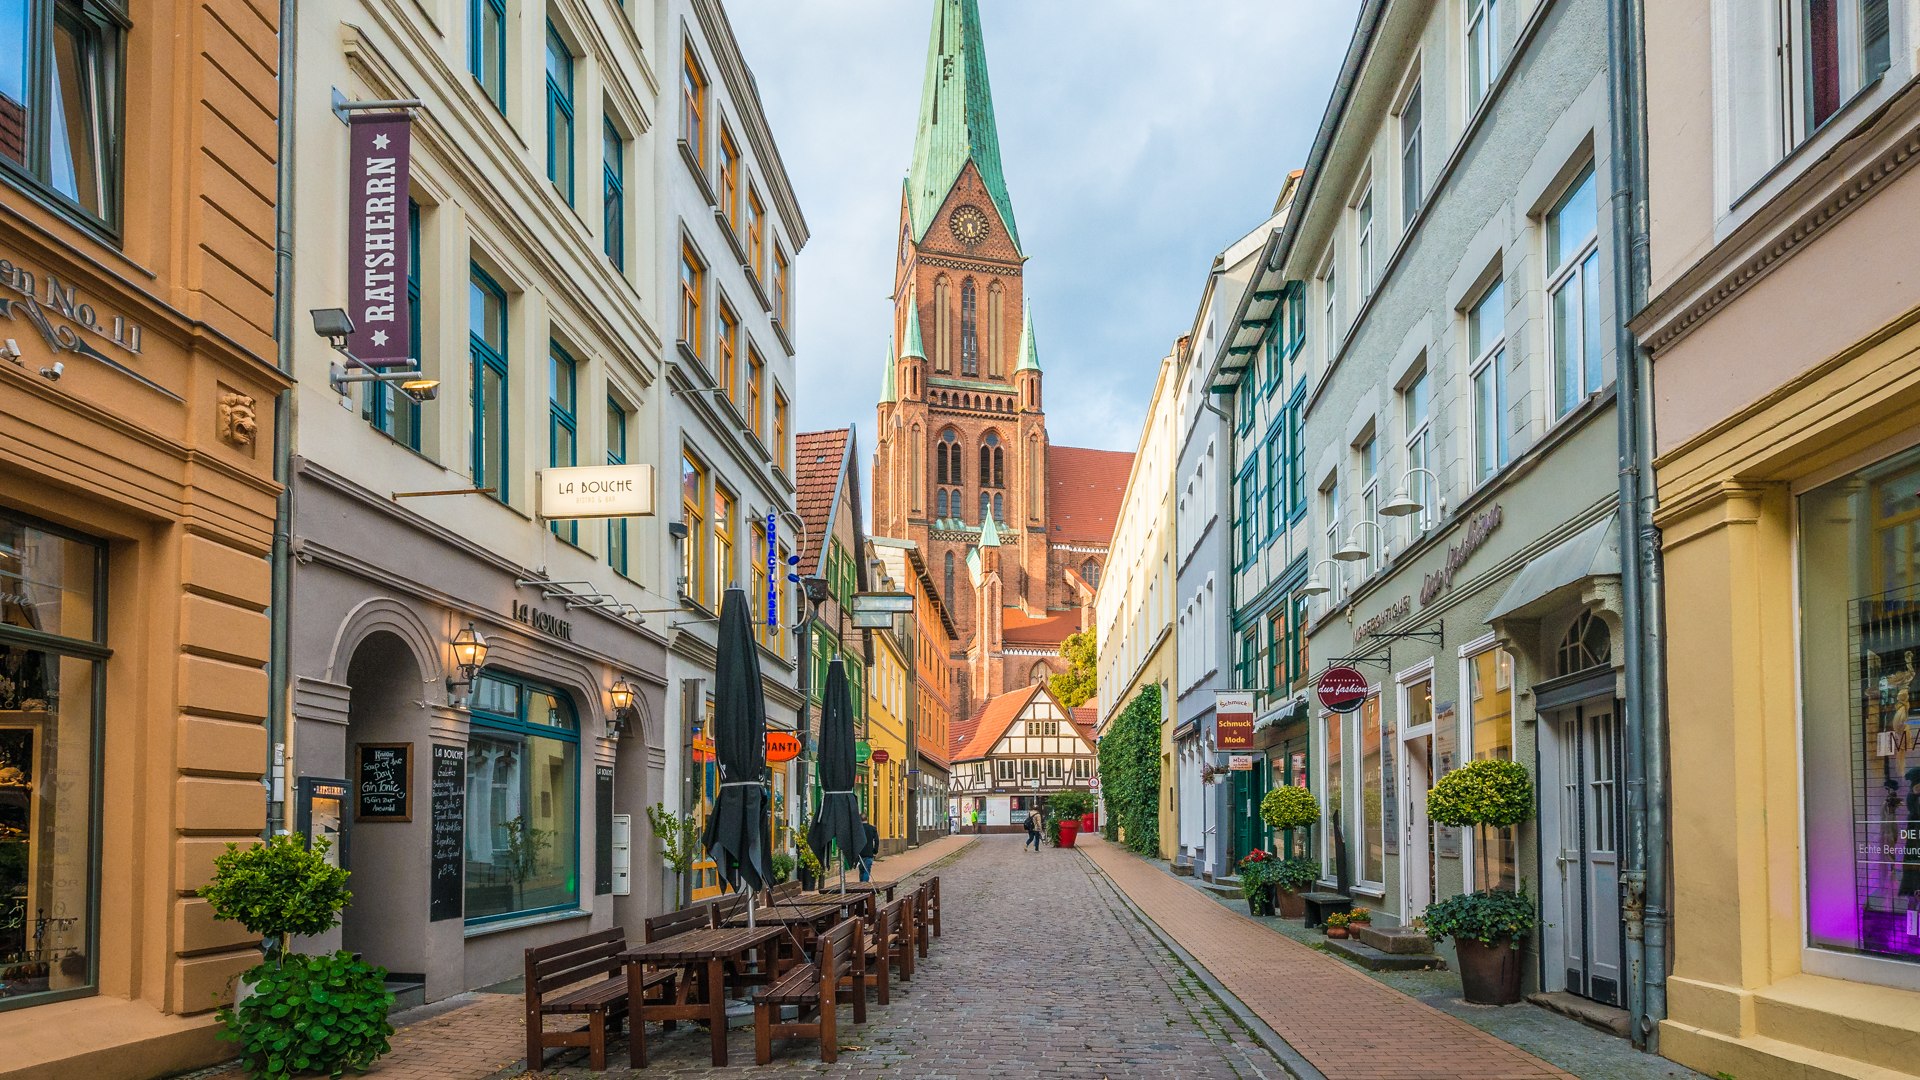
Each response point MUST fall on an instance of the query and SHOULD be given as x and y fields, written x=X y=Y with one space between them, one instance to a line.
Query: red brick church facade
x=1015 y=530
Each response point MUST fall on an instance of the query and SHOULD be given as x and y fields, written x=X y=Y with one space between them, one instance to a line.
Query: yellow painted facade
x=1785 y=339
x=888 y=687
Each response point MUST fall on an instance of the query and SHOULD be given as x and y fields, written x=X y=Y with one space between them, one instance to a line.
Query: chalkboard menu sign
x=449 y=819
x=602 y=830
x=384 y=782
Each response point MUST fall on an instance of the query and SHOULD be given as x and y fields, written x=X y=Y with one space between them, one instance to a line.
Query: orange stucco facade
x=153 y=444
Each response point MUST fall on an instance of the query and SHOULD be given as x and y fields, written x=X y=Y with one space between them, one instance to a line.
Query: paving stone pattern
x=1042 y=972
x=1343 y=1022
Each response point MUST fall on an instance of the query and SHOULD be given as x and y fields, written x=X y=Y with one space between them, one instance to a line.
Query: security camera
x=52 y=374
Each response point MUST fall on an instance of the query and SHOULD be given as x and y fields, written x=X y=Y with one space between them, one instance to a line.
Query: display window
x=52 y=685
x=523 y=800
x=1496 y=850
x=1859 y=571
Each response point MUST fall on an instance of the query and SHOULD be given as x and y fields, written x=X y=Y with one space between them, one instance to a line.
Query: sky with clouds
x=1140 y=138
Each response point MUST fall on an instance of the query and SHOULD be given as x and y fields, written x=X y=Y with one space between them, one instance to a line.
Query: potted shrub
x=1337 y=924
x=1487 y=927
x=809 y=863
x=782 y=867
x=1291 y=878
x=1359 y=917
x=679 y=836
x=321 y=1014
x=1288 y=807
x=1063 y=807
x=1256 y=873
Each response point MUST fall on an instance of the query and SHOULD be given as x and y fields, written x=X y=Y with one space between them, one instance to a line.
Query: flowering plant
x=1360 y=915
x=1257 y=870
x=1339 y=918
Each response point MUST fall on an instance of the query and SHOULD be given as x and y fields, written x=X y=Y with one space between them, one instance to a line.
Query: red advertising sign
x=1341 y=689
x=378 y=245
x=1233 y=720
x=881 y=757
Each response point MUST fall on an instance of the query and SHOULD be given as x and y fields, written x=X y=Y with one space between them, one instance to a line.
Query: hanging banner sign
x=773 y=572
x=1239 y=762
x=379 y=251
x=1233 y=719
x=1341 y=689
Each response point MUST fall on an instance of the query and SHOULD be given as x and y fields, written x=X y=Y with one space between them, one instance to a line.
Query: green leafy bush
x=278 y=889
x=1288 y=807
x=1484 y=792
x=1130 y=771
x=782 y=867
x=808 y=860
x=679 y=836
x=311 y=1014
x=1065 y=806
x=1256 y=871
x=1296 y=875
x=1490 y=916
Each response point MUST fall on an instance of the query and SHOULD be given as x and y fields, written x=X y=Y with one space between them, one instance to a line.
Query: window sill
x=699 y=170
x=727 y=228
x=487 y=929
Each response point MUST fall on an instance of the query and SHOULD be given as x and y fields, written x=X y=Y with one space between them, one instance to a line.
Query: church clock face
x=969 y=225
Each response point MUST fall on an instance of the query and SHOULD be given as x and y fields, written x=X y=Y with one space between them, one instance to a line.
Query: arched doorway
x=385 y=706
x=1580 y=803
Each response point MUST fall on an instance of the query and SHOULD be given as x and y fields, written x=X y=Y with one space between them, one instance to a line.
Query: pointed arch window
x=986 y=502
x=949 y=596
x=969 y=333
x=993 y=462
x=946 y=458
x=999 y=509
x=996 y=298
x=1038 y=676
x=940 y=503
x=1090 y=572
x=942 y=327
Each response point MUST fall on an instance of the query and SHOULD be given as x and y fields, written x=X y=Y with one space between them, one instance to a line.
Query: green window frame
x=512 y=869
x=1274 y=501
x=563 y=425
x=1297 y=455
x=487 y=48
x=613 y=194
x=1246 y=520
x=391 y=412
x=559 y=113
x=616 y=455
x=492 y=393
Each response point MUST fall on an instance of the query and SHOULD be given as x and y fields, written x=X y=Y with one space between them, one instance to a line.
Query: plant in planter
x=1487 y=927
x=1257 y=874
x=1360 y=917
x=1289 y=807
x=782 y=867
x=1291 y=878
x=324 y=1014
x=809 y=863
x=679 y=836
x=1065 y=806
x=1337 y=924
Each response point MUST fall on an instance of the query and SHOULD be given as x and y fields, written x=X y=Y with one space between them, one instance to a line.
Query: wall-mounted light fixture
x=469 y=655
x=622 y=694
x=336 y=326
x=1353 y=552
x=1403 y=504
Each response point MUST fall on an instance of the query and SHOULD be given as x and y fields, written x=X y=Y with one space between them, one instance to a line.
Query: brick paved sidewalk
x=1344 y=1023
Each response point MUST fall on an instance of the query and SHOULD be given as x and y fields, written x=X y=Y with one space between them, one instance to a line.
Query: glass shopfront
x=1859 y=546
x=52 y=677
x=1496 y=851
x=523 y=800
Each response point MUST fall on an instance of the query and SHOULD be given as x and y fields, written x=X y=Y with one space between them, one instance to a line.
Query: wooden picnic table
x=868 y=887
x=713 y=959
x=804 y=919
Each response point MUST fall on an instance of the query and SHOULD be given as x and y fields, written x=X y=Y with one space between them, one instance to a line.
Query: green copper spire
x=956 y=120
x=887 y=394
x=1029 y=352
x=914 y=348
x=989 y=533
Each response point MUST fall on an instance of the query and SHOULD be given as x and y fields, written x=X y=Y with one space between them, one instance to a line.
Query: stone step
x=406 y=995
x=1400 y=940
x=1227 y=886
x=1867 y=1024
x=1374 y=960
x=1591 y=1013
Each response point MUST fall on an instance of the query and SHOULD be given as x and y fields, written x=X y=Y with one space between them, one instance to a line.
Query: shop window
x=1333 y=782
x=523 y=800
x=1860 y=650
x=1373 y=867
x=60 y=72
x=52 y=683
x=1496 y=852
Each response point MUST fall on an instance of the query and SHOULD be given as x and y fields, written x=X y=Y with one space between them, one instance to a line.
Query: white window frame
x=1489 y=359
x=1480 y=39
x=1417 y=450
x=1572 y=273
x=1363 y=252
x=1330 y=303
x=1368 y=451
x=1330 y=505
x=1412 y=142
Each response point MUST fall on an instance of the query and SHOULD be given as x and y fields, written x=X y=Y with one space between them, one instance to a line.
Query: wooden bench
x=786 y=890
x=889 y=942
x=816 y=989
x=1322 y=904
x=922 y=898
x=933 y=904
x=723 y=908
x=592 y=960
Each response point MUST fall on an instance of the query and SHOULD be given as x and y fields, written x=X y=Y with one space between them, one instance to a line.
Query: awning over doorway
x=1592 y=552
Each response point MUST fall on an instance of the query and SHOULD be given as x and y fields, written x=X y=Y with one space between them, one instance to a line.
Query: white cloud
x=1140 y=137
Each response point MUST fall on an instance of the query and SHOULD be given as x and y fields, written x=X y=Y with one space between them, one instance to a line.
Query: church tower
x=962 y=466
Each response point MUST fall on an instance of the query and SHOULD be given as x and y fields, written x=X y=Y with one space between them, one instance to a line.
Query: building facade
x=962 y=429
x=929 y=638
x=1008 y=757
x=887 y=757
x=1450 y=240
x=723 y=265
x=138 y=385
x=449 y=635
x=833 y=551
x=1784 y=340
x=1133 y=604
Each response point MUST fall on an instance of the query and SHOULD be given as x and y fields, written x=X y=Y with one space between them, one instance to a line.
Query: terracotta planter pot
x=1489 y=974
x=1291 y=904
x=1336 y=931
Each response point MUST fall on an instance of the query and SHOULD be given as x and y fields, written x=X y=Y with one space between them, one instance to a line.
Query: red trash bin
x=1069 y=829
x=1088 y=823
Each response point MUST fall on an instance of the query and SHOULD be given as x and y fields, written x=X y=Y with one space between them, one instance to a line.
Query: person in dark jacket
x=869 y=847
x=1033 y=829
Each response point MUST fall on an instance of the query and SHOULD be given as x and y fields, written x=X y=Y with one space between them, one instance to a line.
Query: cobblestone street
x=1042 y=971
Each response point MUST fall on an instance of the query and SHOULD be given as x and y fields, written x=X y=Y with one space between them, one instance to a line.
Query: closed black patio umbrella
x=839 y=818
x=738 y=834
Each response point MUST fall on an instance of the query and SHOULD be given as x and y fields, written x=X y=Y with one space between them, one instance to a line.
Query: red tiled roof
x=960 y=732
x=1084 y=488
x=934 y=757
x=990 y=723
x=818 y=456
x=1087 y=719
x=1050 y=629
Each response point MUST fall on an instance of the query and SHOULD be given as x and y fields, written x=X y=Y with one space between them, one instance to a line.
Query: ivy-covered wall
x=1130 y=772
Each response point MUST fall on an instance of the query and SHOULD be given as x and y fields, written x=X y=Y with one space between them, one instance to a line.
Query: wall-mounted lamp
x=1315 y=585
x=1353 y=552
x=1403 y=504
x=469 y=655
x=621 y=693
x=336 y=326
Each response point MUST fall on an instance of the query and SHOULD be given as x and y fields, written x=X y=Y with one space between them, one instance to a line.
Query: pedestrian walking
x=869 y=847
x=1033 y=829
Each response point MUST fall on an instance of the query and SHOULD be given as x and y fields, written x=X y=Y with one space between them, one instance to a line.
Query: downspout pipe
x=279 y=631
x=1645 y=905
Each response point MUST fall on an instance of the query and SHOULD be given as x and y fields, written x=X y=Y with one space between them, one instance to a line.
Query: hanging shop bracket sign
x=1342 y=689
x=596 y=491
x=1233 y=719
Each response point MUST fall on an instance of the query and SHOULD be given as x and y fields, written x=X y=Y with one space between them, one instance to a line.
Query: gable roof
x=1017 y=627
x=991 y=722
x=820 y=463
x=1084 y=489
